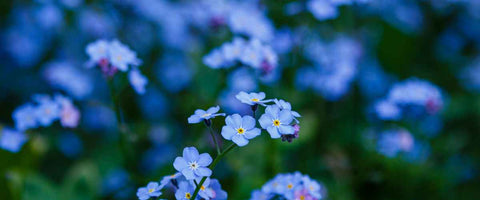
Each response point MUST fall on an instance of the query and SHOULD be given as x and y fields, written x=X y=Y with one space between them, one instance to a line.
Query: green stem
x=123 y=141
x=212 y=166
x=212 y=133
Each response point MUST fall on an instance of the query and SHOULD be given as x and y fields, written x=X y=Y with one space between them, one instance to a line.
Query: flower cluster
x=412 y=97
x=44 y=110
x=251 y=53
x=191 y=167
x=398 y=141
x=293 y=186
x=113 y=56
x=195 y=169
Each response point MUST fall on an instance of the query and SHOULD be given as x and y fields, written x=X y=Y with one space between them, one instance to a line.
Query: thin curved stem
x=212 y=166
x=214 y=138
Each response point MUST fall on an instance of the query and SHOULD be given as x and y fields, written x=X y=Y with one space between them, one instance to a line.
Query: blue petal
x=190 y=154
x=272 y=110
x=239 y=140
x=203 y=171
x=285 y=116
x=286 y=129
x=228 y=132
x=273 y=132
x=189 y=175
x=265 y=121
x=252 y=133
x=194 y=119
x=213 y=109
x=234 y=121
x=200 y=112
x=248 y=122
x=204 y=159
x=180 y=163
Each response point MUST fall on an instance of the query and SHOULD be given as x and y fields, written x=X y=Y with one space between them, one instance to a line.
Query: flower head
x=151 y=190
x=12 y=140
x=193 y=165
x=185 y=191
x=24 y=117
x=284 y=105
x=252 y=98
x=137 y=80
x=277 y=121
x=200 y=115
x=240 y=129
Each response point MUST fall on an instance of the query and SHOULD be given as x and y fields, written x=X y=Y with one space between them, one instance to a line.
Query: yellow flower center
x=119 y=58
x=150 y=190
x=172 y=176
x=202 y=188
x=206 y=115
x=276 y=122
x=290 y=186
x=255 y=100
x=188 y=195
x=302 y=197
x=240 y=131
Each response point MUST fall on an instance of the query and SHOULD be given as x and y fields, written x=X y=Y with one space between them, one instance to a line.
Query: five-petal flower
x=240 y=129
x=193 y=165
x=200 y=115
x=277 y=121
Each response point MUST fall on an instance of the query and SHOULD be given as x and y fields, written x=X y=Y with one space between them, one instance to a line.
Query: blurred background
x=388 y=92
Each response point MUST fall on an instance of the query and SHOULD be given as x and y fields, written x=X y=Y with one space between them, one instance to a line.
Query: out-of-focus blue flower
x=12 y=140
x=99 y=118
x=112 y=56
x=259 y=195
x=154 y=104
x=170 y=179
x=185 y=191
x=417 y=93
x=470 y=76
x=151 y=190
x=322 y=9
x=242 y=80
x=373 y=81
x=248 y=20
x=63 y=75
x=69 y=114
x=174 y=73
x=201 y=115
x=277 y=122
x=193 y=165
x=121 y=56
x=156 y=157
x=252 y=98
x=214 y=59
x=392 y=142
x=137 y=80
x=115 y=181
x=240 y=129
x=291 y=186
x=47 y=111
x=387 y=110
x=217 y=192
x=24 y=117
x=70 y=145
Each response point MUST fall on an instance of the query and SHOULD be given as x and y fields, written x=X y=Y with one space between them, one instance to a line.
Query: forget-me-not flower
x=193 y=165
x=24 y=117
x=201 y=115
x=276 y=121
x=252 y=98
x=185 y=191
x=12 y=140
x=284 y=105
x=240 y=129
x=151 y=190
x=121 y=56
x=137 y=80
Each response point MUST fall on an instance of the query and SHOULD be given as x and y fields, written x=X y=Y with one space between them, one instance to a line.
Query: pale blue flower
x=240 y=129
x=120 y=56
x=47 y=112
x=185 y=191
x=252 y=98
x=12 y=140
x=284 y=105
x=137 y=80
x=98 y=50
x=277 y=122
x=201 y=115
x=193 y=165
x=151 y=190
x=214 y=59
x=25 y=117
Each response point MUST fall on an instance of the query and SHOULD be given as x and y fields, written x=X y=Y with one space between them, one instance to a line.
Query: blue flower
x=252 y=98
x=185 y=191
x=276 y=121
x=322 y=10
x=98 y=50
x=214 y=59
x=70 y=145
x=137 y=80
x=387 y=110
x=259 y=195
x=152 y=190
x=47 y=111
x=201 y=115
x=166 y=180
x=205 y=192
x=218 y=193
x=193 y=165
x=120 y=56
x=240 y=129
x=24 y=117
x=12 y=140
x=286 y=106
